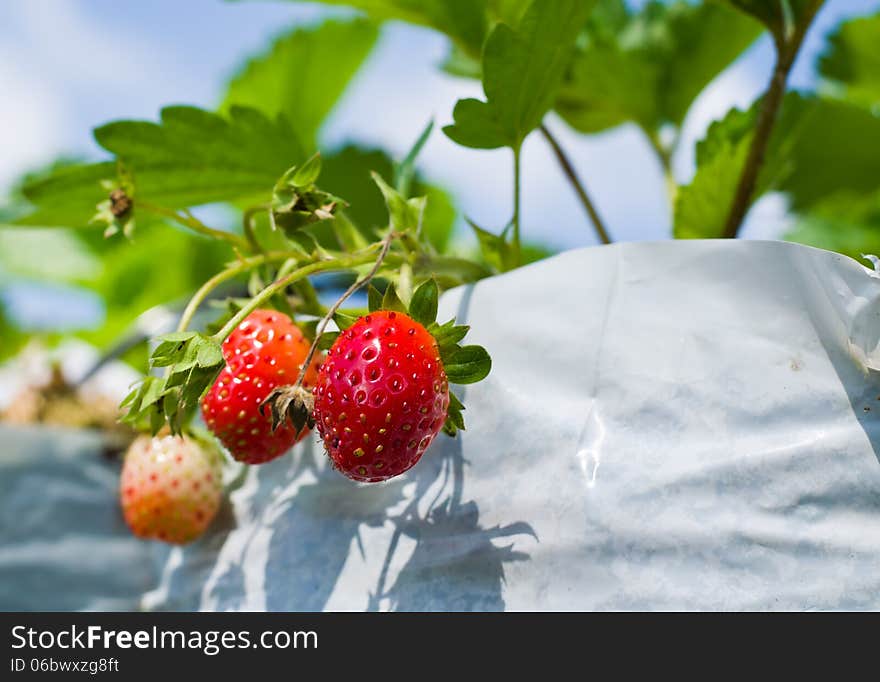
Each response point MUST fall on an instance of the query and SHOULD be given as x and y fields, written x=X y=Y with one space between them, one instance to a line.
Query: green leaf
x=649 y=67
x=851 y=63
x=404 y=214
x=847 y=222
x=423 y=307
x=838 y=150
x=308 y=173
x=304 y=74
x=522 y=70
x=468 y=365
x=779 y=16
x=495 y=249
x=702 y=207
x=405 y=170
x=67 y=196
x=464 y=21
x=195 y=361
x=196 y=157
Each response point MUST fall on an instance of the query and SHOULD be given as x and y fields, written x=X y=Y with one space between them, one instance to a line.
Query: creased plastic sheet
x=63 y=543
x=680 y=425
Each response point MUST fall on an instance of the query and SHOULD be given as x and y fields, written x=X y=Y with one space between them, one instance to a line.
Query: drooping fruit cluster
x=382 y=396
x=265 y=351
x=170 y=488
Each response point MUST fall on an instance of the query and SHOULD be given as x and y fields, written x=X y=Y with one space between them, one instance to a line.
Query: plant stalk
x=578 y=186
x=787 y=49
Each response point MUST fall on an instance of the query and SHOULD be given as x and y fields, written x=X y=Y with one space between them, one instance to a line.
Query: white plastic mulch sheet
x=63 y=543
x=681 y=425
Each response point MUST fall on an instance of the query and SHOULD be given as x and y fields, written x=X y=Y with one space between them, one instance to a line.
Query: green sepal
x=343 y=321
x=391 y=301
x=467 y=365
x=454 y=417
x=423 y=306
x=374 y=299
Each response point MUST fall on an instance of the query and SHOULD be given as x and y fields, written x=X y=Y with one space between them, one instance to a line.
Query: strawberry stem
x=322 y=325
x=189 y=221
x=361 y=258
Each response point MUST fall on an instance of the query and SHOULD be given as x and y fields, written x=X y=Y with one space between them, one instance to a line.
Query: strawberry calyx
x=464 y=364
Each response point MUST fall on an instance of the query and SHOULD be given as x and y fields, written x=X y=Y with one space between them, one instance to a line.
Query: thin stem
x=578 y=186
x=664 y=156
x=222 y=276
x=353 y=260
x=517 y=244
x=787 y=51
x=322 y=325
x=189 y=221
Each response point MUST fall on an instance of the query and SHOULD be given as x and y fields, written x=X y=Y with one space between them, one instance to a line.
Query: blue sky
x=68 y=65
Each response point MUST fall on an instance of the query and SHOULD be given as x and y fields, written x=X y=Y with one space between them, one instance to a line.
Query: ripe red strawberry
x=170 y=488
x=265 y=351
x=381 y=396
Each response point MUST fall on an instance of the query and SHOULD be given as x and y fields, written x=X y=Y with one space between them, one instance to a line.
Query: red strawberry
x=170 y=488
x=265 y=351
x=381 y=396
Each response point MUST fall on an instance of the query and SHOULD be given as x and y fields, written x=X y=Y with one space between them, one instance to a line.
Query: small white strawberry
x=170 y=488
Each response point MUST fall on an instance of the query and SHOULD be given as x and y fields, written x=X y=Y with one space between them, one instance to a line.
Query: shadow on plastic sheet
x=455 y=564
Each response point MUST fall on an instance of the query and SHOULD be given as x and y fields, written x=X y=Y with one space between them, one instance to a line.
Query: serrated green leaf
x=522 y=71
x=648 y=67
x=67 y=195
x=423 y=306
x=464 y=21
x=850 y=64
x=391 y=301
x=195 y=157
x=702 y=207
x=304 y=74
x=468 y=365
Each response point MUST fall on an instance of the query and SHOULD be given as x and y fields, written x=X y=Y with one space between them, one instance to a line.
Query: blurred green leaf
x=851 y=62
x=46 y=254
x=464 y=21
x=67 y=196
x=838 y=149
x=649 y=67
x=702 y=207
x=194 y=157
x=846 y=222
x=522 y=70
x=303 y=74
x=779 y=16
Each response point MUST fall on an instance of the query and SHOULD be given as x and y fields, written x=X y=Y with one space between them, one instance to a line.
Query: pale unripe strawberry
x=170 y=488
